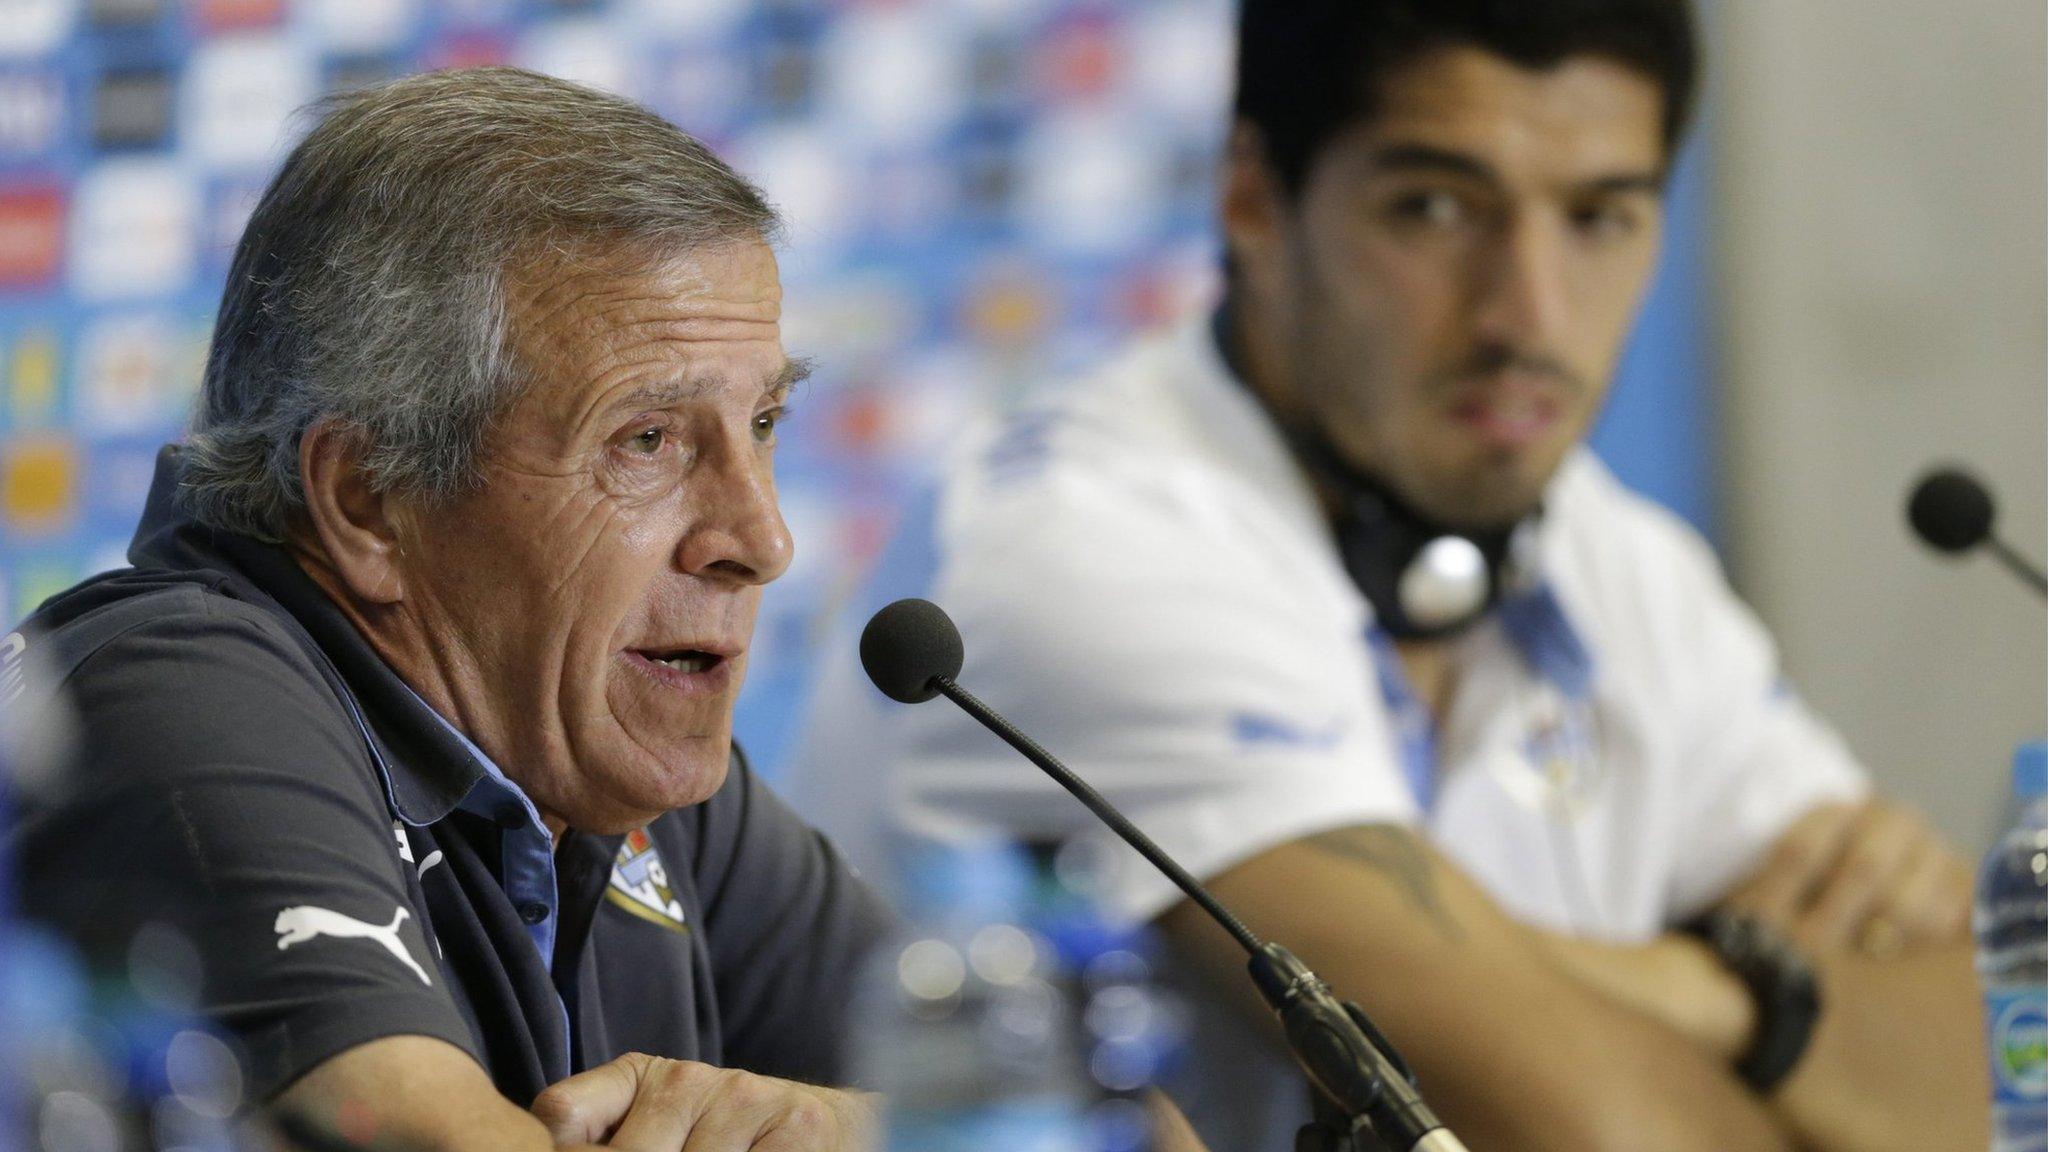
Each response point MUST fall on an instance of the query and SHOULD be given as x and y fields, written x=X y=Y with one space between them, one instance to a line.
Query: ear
x=1252 y=204
x=356 y=529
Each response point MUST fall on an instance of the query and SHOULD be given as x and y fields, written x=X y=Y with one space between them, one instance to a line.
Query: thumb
x=585 y=1108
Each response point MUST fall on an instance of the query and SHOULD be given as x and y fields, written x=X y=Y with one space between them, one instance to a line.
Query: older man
x=413 y=716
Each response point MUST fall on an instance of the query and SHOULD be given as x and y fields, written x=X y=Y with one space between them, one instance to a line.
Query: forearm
x=1559 y=1069
x=1675 y=980
x=1896 y=1062
x=1512 y=1054
x=411 y=1093
x=1896 y=1059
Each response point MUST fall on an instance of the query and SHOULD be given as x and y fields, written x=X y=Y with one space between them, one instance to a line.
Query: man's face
x=593 y=599
x=1452 y=286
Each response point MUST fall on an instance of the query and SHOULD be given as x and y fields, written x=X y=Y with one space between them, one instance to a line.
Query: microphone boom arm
x=1353 y=1067
x=2026 y=570
x=1100 y=805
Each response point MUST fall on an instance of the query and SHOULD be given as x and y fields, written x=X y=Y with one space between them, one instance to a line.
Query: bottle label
x=2018 y=1021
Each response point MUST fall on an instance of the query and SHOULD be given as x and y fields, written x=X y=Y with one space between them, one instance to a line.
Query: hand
x=648 y=1104
x=1871 y=876
x=1170 y=1129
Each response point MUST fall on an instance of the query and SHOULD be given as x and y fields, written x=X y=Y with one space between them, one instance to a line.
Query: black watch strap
x=1781 y=984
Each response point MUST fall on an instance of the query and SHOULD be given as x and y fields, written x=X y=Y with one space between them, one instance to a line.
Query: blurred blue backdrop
x=980 y=193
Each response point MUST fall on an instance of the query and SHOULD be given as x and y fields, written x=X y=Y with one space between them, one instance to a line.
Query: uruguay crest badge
x=639 y=883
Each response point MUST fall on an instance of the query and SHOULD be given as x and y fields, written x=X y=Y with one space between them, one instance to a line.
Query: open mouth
x=691 y=669
x=688 y=660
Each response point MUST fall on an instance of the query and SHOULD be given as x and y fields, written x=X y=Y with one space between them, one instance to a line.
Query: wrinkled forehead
x=580 y=321
x=564 y=298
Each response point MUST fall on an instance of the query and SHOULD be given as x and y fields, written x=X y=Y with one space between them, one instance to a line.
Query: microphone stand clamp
x=1364 y=1095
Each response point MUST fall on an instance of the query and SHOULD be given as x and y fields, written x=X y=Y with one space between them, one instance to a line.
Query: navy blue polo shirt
x=348 y=866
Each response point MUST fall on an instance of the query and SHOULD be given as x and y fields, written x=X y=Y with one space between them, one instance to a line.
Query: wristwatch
x=1781 y=984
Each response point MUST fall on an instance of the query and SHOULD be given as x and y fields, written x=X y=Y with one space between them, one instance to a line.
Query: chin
x=691 y=773
x=685 y=775
x=1502 y=492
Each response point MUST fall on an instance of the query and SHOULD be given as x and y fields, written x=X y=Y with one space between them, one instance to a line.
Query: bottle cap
x=2030 y=770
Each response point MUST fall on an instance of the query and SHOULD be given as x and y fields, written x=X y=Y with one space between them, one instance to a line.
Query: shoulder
x=1625 y=564
x=155 y=627
x=1147 y=508
x=1603 y=528
x=1649 y=596
x=178 y=680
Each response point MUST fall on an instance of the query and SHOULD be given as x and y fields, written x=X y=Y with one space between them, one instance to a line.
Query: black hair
x=1309 y=68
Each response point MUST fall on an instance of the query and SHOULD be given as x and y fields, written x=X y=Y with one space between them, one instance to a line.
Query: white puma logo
x=301 y=923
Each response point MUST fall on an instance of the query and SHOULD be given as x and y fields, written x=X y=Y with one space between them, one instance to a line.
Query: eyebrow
x=1427 y=158
x=669 y=393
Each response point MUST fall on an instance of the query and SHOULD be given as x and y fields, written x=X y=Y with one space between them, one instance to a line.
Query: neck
x=389 y=629
x=1432 y=671
x=400 y=640
x=1249 y=338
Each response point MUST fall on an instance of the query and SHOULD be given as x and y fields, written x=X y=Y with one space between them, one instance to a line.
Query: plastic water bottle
x=2011 y=922
x=964 y=1024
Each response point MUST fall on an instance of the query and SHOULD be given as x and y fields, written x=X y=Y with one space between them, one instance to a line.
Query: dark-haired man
x=1325 y=591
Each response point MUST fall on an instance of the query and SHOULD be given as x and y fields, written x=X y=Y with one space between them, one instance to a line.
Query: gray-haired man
x=414 y=713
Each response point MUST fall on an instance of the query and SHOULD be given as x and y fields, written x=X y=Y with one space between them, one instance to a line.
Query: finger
x=1879 y=847
x=766 y=1114
x=584 y=1108
x=1931 y=900
x=1796 y=865
x=731 y=1129
x=731 y=1114
x=806 y=1121
x=673 y=1100
x=1170 y=1130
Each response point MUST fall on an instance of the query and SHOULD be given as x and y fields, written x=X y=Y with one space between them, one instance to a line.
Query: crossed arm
x=1531 y=1041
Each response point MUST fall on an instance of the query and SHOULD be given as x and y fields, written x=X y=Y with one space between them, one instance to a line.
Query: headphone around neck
x=1424 y=581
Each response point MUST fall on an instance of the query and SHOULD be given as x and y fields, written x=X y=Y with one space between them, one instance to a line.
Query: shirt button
x=533 y=913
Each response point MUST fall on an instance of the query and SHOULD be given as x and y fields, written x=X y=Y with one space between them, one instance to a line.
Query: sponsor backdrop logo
x=980 y=194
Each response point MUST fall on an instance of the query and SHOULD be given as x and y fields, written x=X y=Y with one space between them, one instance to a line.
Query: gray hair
x=369 y=284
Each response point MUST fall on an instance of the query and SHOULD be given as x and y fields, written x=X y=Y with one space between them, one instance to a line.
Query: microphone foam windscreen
x=1950 y=510
x=906 y=645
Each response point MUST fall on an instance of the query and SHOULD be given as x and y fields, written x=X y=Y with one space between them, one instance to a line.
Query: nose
x=739 y=536
x=1524 y=297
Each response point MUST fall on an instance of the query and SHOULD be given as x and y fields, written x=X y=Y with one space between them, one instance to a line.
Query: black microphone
x=1953 y=512
x=912 y=652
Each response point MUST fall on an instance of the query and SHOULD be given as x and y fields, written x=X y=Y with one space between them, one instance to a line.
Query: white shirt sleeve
x=1140 y=627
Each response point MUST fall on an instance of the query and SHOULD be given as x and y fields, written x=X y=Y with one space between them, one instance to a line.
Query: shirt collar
x=494 y=795
x=1537 y=624
x=427 y=767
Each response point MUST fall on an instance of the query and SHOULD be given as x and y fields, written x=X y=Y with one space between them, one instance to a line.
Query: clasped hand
x=650 y=1104
x=1872 y=877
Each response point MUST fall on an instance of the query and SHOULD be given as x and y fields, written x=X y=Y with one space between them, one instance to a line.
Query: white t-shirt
x=1146 y=584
